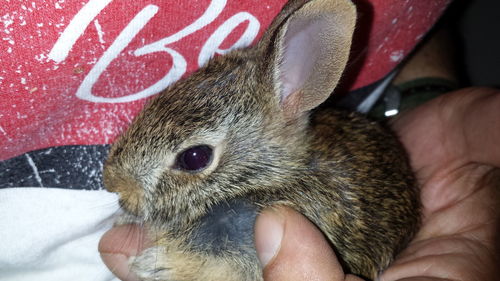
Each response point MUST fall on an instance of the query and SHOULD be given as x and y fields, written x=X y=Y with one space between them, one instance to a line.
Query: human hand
x=288 y=244
x=453 y=146
x=453 y=143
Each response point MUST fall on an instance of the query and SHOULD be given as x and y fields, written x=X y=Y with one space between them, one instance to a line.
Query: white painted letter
x=75 y=29
x=84 y=92
x=212 y=12
x=213 y=43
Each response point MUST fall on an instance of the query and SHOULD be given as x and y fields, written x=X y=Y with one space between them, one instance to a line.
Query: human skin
x=453 y=144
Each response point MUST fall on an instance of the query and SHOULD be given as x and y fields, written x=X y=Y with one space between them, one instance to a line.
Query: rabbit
x=248 y=131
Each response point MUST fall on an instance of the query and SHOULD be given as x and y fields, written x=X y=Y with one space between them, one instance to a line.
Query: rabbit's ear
x=309 y=49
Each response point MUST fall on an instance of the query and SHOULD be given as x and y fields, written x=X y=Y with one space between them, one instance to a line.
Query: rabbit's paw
x=152 y=264
x=156 y=264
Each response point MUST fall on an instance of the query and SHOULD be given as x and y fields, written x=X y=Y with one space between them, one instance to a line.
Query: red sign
x=77 y=72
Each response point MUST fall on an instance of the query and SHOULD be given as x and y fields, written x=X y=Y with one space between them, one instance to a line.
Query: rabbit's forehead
x=189 y=109
x=180 y=122
x=206 y=104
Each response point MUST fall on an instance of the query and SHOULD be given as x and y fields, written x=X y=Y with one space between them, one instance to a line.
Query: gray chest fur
x=226 y=229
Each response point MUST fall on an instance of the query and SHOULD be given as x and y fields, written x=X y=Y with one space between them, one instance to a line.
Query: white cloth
x=49 y=234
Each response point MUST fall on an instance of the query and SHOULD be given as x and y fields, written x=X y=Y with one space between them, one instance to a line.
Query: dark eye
x=195 y=158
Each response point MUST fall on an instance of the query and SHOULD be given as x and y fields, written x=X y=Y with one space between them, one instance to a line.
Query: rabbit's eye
x=195 y=158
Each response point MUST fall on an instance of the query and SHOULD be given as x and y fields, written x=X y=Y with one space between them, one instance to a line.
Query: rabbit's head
x=239 y=125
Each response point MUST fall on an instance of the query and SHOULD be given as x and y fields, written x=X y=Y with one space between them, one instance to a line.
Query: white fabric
x=49 y=234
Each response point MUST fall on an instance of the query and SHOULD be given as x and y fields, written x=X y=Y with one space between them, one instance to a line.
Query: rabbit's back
x=370 y=205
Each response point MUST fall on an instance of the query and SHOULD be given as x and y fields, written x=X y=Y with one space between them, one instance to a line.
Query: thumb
x=291 y=248
x=120 y=243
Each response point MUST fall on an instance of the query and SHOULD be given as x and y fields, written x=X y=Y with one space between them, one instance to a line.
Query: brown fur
x=172 y=259
x=345 y=173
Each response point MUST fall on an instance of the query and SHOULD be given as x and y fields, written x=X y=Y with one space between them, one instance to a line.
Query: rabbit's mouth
x=131 y=206
x=127 y=218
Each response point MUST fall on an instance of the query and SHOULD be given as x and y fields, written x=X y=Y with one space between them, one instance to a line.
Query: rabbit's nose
x=130 y=193
x=131 y=200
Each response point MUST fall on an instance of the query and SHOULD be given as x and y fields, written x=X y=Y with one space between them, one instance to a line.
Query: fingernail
x=119 y=265
x=269 y=229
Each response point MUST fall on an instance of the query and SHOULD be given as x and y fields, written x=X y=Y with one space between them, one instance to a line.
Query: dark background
x=478 y=29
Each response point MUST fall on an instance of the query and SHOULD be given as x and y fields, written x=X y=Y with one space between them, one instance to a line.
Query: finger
x=291 y=248
x=456 y=243
x=453 y=130
x=438 y=267
x=482 y=124
x=118 y=245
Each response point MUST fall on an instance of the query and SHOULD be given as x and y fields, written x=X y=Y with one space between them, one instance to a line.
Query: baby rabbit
x=205 y=156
